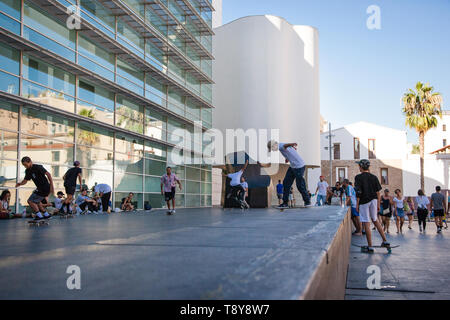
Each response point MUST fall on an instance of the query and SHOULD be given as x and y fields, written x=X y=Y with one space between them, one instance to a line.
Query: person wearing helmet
x=368 y=198
x=295 y=172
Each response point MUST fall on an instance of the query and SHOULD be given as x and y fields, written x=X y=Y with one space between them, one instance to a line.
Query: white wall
x=437 y=172
x=434 y=138
x=217 y=14
x=390 y=143
x=267 y=77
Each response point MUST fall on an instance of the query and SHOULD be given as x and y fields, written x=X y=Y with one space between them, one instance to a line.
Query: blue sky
x=364 y=73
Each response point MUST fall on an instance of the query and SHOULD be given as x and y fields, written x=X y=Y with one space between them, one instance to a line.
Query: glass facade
x=118 y=105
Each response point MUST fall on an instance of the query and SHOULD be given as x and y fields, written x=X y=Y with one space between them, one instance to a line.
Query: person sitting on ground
x=280 y=192
x=59 y=203
x=85 y=204
x=127 y=204
x=237 y=191
x=351 y=202
x=5 y=211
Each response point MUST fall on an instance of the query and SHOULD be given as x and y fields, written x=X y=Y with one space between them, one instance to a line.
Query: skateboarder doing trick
x=44 y=187
x=295 y=172
x=368 y=200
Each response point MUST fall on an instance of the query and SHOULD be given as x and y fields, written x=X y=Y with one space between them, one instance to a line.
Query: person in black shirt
x=70 y=183
x=337 y=192
x=368 y=198
x=44 y=187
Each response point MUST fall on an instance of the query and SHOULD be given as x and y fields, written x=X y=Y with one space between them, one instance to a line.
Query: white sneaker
x=173 y=212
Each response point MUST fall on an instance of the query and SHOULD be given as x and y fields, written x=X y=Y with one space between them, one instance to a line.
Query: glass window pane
x=37 y=122
x=8 y=173
x=154 y=168
x=128 y=163
x=48 y=75
x=155 y=151
x=137 y=200
x=192 y=201
x=91 y=177
x=152 y=184
x=8 y=116
x=9 y=83
x=130 y=116
x=129 y=145
x=94 y=158
x=39 y=20
x=9 y=59
x=193 y=187
x=41 y=150
x=8 y=147
x=95 y=137
x=127 y=182
x=193 y=174
x=155 y=200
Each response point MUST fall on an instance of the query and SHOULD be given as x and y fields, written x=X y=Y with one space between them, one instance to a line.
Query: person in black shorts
x=44 y=187
x=386 y=210
x=438 y=206
x=70 y=184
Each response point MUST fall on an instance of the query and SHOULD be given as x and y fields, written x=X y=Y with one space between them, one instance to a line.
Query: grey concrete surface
x=196 y=254
x=418 y=269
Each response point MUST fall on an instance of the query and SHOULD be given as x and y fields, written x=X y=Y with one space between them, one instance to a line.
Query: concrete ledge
x=329 y=280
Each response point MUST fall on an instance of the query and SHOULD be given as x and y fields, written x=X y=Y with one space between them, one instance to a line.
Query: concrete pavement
x=418 y=269
x=196 y=254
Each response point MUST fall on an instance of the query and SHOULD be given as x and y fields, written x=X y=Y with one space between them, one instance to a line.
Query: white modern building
x=266 y=74
x=390 y=155
x=385 y=147
x=438 y=137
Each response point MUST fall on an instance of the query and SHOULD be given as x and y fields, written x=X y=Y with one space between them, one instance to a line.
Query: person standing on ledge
x=295 y=172
x=368 y=198
x=321 y=191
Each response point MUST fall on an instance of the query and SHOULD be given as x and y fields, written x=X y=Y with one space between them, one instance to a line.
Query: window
x=55 y=156
x=356 y=149
x=444 y=143
x=372 y=154
x=337 y=151
x=444 y=127
x=384 y=176
x=341 y=174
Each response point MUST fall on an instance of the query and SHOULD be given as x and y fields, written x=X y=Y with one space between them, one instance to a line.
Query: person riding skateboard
x=368 y=198
x=44 y=187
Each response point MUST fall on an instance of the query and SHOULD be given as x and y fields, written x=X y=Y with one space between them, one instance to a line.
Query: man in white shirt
x=104 y=192
x=321 y=191
x=295 y=172
x=237 y=191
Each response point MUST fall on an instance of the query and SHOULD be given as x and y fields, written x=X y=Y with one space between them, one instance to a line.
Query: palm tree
x=421 y=108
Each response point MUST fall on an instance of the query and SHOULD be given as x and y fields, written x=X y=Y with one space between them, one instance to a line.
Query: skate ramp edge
x=328 y=282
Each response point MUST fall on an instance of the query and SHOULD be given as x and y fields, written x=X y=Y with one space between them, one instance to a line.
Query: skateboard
x=364 y=249
x=38 y=223
x=299 y=207
x=67 y=216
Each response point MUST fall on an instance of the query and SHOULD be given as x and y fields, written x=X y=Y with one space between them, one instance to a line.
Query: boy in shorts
x=168 y=188
x=368 y=197
x=438 y=206
x=44 y=187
